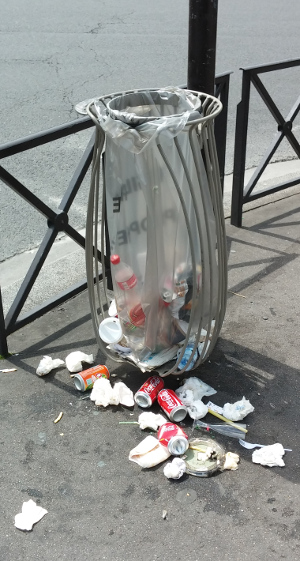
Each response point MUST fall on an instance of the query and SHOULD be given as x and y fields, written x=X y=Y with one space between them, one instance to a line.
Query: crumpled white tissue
x=231 y=461
x=30 y=515
x=47 y=364
x=103 y=394
x=197 y=410
x=198 y=388
x=148 y=420
x=269 y=455
x=238 y=410
x=123 y=394
x=149 y=453
x=191 y=393
x=74 y=361
x=175 y=469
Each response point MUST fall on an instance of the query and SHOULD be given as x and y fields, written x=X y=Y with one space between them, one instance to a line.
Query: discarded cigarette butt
x=128 y=423
x=59 y=417
x=197 y=448
x=8 y=370
x=237 y=294
x=164 y=514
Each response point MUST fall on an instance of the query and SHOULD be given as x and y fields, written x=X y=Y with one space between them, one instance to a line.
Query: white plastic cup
x=110 y=330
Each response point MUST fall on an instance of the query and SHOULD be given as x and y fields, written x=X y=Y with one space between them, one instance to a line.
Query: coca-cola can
x=172 y=405
x=174 y=438
x=147 y=394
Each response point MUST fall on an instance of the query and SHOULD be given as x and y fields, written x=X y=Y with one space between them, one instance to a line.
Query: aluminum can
x=172 y=405
x=147 y=394
x=174 y=438
x=85 y=380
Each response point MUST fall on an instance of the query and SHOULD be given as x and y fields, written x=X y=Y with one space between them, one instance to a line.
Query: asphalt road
x=53 y=55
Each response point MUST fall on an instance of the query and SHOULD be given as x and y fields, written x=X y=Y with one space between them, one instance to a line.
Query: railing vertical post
x=240 y=147
x=221 y=128
x=202 y=45
x=3 y=339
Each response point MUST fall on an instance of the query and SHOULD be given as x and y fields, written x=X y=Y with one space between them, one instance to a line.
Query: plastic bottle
x=128 y=299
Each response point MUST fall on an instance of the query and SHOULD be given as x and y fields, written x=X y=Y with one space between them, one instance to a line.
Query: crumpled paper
x=148 y=420
x=74 y=361
x=175 y=469
x=149 y=453
x=191 y=394
x=231 y=461
x=47 y=364
x=197 y=410
x=269 y=455
x=103 y=393
x=30 y=515
x=238 y=410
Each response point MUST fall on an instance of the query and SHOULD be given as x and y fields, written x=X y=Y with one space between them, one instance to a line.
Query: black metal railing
x=241 y=193
x=59 y=221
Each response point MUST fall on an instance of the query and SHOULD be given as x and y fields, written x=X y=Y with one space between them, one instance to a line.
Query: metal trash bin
x=160 y=206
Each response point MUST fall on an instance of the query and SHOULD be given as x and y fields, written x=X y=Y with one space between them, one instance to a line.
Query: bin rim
x=210 y=105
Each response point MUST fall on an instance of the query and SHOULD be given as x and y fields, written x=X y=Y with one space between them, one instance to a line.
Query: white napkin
x=269 y=455
x=148 y=420
x=74 y=361
x=149 y=453
x=31 y=514
x=175 y=469
x=238 y=410
x=103 y=394
x=47 y=364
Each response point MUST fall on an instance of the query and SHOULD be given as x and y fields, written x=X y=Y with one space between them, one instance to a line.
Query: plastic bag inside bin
x=160 y=220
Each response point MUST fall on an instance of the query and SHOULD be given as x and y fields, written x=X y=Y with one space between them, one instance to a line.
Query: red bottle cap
x=115 y=259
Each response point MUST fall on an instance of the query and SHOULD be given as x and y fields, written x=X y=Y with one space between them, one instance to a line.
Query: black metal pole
x=3 y=339
x=202 y=45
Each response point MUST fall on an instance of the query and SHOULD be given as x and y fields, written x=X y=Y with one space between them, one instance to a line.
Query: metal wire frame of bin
x=98 y=295
x=58 y=221
x=242 y=193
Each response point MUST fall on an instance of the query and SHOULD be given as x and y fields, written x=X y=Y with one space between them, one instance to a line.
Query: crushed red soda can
x=147 y=394
x=172 y=405
x=85 y=380
x=174 y=438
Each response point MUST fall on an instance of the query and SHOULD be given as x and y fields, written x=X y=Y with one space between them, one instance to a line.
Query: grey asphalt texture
x=56 y=54
x=102 y=506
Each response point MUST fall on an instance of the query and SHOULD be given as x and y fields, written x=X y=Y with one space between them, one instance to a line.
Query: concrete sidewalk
x=100 y=505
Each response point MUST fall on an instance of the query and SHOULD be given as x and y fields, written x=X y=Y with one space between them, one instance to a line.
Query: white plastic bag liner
x=161 y=215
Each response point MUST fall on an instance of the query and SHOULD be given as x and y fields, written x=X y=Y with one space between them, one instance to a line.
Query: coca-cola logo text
x=169 y=399
x=152 y=384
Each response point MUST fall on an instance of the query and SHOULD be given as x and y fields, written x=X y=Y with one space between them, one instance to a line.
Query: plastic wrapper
x=238 y=410
x=47 y=364
x=75 y=359
x=226 y=430
x=191 y=394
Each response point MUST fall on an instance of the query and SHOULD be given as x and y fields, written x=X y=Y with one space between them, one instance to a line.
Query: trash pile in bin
x=163 y=228
x=201 y=455
x=124 y=330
